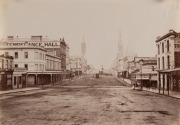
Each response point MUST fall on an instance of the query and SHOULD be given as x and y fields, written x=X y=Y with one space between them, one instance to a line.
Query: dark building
x=6 y=72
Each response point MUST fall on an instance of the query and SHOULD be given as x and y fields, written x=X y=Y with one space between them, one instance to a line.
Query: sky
x=99 y=21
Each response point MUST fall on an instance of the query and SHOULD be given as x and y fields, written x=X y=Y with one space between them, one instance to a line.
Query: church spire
x=120 y=47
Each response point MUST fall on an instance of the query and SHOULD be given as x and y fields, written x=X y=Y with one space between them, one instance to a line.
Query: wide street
x=89 y=101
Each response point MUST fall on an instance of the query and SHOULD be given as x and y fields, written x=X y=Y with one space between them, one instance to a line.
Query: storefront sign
x=45 y=44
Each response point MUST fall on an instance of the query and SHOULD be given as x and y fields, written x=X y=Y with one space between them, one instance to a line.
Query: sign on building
x=45 y=44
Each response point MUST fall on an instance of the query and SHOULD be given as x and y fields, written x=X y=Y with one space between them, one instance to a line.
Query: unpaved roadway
x=89 y=101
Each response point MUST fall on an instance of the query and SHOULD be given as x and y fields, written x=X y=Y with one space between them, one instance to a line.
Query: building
x=33 y=54
x=6 y=72
x=63 y=54
x=76 y=65
x=67 y=58
x=168 y=58
x=142 y=70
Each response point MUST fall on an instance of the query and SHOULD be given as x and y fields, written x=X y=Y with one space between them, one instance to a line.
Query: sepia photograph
x=89 y=62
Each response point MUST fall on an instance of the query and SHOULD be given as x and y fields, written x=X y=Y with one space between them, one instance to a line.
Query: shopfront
x=176 y=80
x=6 y=80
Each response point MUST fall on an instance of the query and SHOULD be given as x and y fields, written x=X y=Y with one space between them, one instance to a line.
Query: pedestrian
x=134 y=85
x=71 y=76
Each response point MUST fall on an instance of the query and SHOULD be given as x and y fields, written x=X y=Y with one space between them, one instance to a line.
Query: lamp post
x=42 y=80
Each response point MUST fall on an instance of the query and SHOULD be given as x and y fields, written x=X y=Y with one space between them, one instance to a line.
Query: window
x=162 y=47
x=16 y=65
x=40 y=55
x=7 y=64
x=177 y=59
x=162 y=62
x=36 y=55
x=26 y=55
x=10 y=64
x=6 y=53
x=26 y=66
x=1 y=63
x=16 y=55
x=36 y=66
x=18 y=78
x=14 y=80
x=47 y=64
x=168 y=62
x=51 y=65
x=158 y=50
x=167 y=45
x=152 y=68
x=158 y=63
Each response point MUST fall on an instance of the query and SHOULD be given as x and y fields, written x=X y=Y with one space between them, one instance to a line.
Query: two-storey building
x=76 y=65
x=41 y=66
x=168 y=61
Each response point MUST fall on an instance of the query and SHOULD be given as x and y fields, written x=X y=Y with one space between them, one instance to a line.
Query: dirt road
x=89 y=101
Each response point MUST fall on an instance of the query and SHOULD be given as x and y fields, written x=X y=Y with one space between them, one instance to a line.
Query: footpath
x=19 y=90
x=173 y=94
x=39 y=87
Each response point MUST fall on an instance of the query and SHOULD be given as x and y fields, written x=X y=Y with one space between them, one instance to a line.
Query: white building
x=67 y=58
x=76 y=64
x=168 y=61
x=31 y=54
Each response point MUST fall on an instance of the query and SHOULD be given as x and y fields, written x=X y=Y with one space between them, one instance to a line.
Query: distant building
x=76 y=65
x=168 y=58
x=63 y=54
x=143 y=70
x=67 y=58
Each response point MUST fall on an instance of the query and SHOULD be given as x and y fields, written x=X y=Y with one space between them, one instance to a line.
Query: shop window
x=1 y=64
x=15 y=80
x=177 y=59
x=19 y=79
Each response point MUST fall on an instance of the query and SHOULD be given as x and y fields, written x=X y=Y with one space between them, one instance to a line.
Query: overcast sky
x=99 y=21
